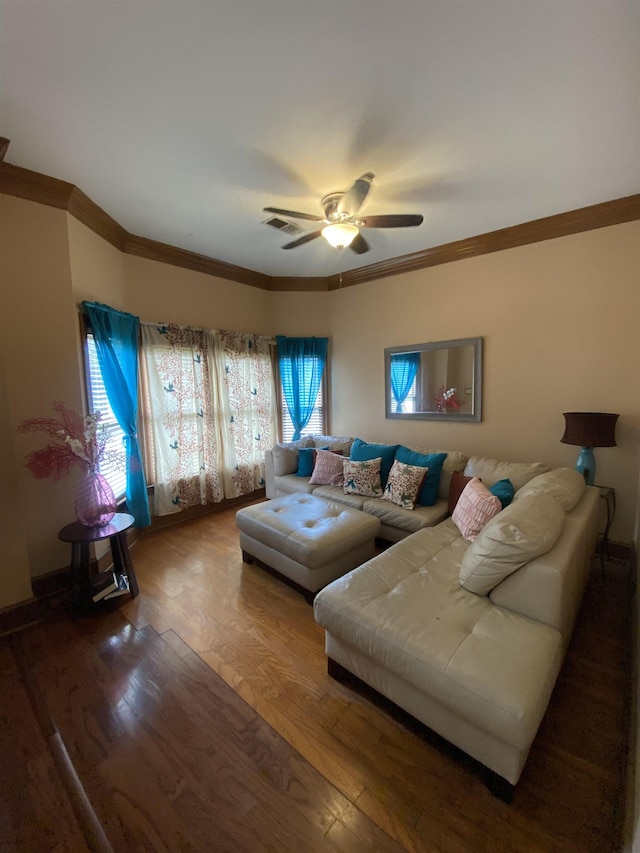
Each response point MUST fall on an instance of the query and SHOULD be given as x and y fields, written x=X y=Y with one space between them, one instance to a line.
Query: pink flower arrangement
x=75 y=440
x=446 y=399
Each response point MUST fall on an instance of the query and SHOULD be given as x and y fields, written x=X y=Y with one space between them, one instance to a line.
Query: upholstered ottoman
x=309 y=540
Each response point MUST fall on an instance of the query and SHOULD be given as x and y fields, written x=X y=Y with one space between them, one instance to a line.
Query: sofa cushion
x=337 y=494
x=406 y=520
x=492 y=470
x=328 y=469
x=285 y=456
x=566 y=485
x=288 y=483
x=518 y=534
x=456 y=488
x=428 y=493
x=363 y=478
x=476 y=506
x=404 y=484
x=362 y=451
x=336 y=443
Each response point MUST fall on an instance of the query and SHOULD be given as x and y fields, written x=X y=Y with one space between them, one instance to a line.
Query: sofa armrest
x=549 y=589
x=270 y=489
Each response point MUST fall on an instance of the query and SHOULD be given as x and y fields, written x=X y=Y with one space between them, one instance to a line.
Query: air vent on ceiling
x=282 y=225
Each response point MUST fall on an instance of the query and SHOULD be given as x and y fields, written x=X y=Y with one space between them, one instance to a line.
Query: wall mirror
x=439 y=381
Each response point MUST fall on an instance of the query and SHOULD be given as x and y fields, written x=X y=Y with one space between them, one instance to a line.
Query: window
x=113 y=467
x=302 y=381
x=409 y=402
x=210 y=404
x=317 y=422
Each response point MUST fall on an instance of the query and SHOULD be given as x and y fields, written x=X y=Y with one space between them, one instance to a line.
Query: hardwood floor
x=200 y=717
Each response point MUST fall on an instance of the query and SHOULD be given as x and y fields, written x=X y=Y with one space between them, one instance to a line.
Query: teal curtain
x=301 y=362
x=404 y=368
x=116 y=338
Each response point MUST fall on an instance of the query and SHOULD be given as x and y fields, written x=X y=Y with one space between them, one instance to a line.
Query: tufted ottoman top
x=310 y=530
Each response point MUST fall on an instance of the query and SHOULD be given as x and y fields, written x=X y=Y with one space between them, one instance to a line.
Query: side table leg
x=80 y=580
x=122 y=561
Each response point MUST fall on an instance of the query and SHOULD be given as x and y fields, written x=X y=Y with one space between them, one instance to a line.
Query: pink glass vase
x=95 y=503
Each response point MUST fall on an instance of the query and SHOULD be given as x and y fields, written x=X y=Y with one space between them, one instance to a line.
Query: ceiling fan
x=341 y=226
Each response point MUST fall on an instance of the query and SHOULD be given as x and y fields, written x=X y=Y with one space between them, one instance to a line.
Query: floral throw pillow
x=363 y=478
x=476 y=506
x=404 y=483
x=327 y=470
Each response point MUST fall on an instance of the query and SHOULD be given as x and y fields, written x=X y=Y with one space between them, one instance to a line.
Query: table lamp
x=589 y=430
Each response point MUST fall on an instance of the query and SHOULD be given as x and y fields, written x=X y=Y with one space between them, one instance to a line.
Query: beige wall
x=303 y=314
x=633 y=793
x=560 y=322
x=162 y=293
x=97 y=267
x=14 y=567
x=40 y=341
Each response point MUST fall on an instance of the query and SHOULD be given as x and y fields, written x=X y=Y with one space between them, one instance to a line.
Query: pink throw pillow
x=328 y=470
x=476 y=506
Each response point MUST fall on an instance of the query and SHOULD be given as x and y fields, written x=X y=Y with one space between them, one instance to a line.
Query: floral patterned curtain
x=185 y=447
x=212 y=411
x=247 y=408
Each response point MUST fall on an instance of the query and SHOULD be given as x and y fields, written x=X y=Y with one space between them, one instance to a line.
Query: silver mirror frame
x=475 y=416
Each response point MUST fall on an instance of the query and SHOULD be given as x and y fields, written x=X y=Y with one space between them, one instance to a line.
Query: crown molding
x=548 y=228
x=154 y=251
x=34 y=186
x=299 y=283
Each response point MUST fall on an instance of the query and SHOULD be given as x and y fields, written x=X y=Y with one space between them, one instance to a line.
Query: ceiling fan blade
x=306 y=238
x=353 y=199
x=293 y=214
x=359 y=245
x=400 y=220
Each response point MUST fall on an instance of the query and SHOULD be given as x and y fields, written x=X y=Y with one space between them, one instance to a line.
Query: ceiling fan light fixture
x=340 y=234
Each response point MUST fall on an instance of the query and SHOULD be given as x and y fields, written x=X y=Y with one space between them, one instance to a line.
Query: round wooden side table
x=81 y=538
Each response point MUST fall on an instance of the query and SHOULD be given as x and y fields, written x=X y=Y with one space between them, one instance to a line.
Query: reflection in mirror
x=436 y=381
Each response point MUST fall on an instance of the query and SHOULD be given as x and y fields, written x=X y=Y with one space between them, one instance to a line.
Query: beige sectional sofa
x=466 y=636
x=469 y=637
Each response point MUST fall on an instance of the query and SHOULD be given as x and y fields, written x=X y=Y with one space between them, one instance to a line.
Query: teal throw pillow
x=361 y=451
x=428 y=493
x=504 y=491
x=307 y=460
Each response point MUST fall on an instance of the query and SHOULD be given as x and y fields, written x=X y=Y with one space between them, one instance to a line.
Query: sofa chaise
x=469 y=637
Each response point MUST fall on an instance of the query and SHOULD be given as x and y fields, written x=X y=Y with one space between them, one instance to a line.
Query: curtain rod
x=269 y=340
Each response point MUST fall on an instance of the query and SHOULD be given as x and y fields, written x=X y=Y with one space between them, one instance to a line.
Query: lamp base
x=586 y=464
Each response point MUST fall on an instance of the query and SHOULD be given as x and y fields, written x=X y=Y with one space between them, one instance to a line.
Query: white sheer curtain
x=181 y=418
x=211 y=412
x=247 y=408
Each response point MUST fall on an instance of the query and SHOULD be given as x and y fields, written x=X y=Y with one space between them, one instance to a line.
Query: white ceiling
x=183 y=119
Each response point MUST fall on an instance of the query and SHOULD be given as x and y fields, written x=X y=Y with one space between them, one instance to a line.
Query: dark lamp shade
x=590 y=429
